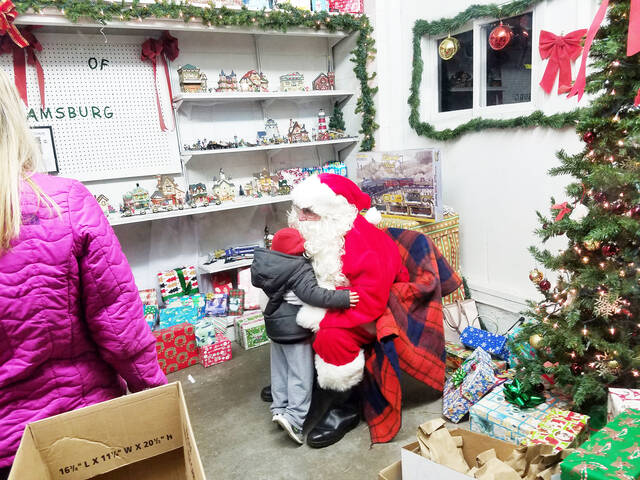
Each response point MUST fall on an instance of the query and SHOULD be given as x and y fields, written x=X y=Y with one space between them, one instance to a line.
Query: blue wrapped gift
x=177 y=315
x=494 y=344
x=205 y=330
x=197 y=300
x=518 y=351
x=468 y=385
x=258 y=4
x=216 y=305
x=320 y=5
x=151 y=315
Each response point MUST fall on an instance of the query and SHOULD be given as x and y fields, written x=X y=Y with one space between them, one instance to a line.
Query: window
x=509 y=70
x=456 y=75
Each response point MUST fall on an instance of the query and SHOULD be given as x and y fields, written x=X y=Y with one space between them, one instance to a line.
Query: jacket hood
x=271 y=270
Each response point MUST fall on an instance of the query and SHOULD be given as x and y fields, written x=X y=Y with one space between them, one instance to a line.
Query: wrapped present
x=613 y=452
x=205 y=330
x=320 y=5
x=178 y=282
x=251 y=331
x=620 y=400
x=236 y=302
x=216 y=304
x=468 y=385
x=176 y=315
x=218 y=352
x=519 y=351
x=496 y=417
x=494 y=344
x=176 y=347
x=149 y=296
x=151 y=315
x=457 y=354
x=561 y=428
x=346 y=6
x=251 y=293
x=197 y=300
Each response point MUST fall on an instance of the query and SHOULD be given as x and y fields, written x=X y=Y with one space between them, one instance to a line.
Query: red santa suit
x=347 y=251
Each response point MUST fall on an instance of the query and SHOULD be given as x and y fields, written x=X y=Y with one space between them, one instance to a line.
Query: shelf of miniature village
x=187 y=211
x=223 y=97
x=221 y=266
x=337 y=143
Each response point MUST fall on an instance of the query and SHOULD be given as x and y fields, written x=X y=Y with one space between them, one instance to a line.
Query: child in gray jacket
x=276 y=272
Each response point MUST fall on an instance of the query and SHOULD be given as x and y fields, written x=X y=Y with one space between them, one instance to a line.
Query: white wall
x=496 y=180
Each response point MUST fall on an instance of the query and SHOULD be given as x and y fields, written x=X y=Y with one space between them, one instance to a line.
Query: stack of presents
x=194 y=327
x=518 y=433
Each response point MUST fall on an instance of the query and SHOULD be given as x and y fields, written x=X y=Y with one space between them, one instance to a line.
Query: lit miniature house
x=169 y=189
x=223 y=188
x=271 y=128
x=198 y=194
x=325 y=81
x=227 y=83
x=292 y=82
x=252 y=81
x=297 y=133
x=191 y=80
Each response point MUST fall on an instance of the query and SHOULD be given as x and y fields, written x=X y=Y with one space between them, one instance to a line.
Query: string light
x=621 y=274
x=613 y=92
x=615 y=64
x=616 y=119
x=612 y=331
x=585 y=260
x=555 y=325
x=620 y=143
x=602 y=266
x=572 y=354
x=635 y=373
x=584 y=330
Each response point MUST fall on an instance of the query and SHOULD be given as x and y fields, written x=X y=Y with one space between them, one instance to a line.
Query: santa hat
x=289 y=241
x=324 y=194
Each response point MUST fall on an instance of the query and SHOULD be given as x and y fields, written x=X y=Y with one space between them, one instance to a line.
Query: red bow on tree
x=563 y=210
x=19 y=63
x=560 y=51
x=153 y=49
x=633 y=44
x=8 y=14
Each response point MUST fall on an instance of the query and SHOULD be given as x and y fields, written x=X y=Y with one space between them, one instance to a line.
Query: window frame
x=430 y=80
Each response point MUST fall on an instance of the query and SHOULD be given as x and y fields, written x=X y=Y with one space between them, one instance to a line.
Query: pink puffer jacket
x=72 y=330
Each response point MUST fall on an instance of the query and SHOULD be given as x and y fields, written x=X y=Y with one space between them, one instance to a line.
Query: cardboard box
x=144 y=436
x=392 y=472
x=176 y=347
x=216 y=353
x=251 y=331
x=417 y=467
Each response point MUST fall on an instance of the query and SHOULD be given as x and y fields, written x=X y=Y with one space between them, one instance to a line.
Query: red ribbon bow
x=153 y=49
x=563 y=210
x=8 y=14
x=560 y=51
x=633 y=44
x=19 y=63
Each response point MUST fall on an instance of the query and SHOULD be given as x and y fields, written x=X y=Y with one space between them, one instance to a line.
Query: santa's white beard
x=324 y=243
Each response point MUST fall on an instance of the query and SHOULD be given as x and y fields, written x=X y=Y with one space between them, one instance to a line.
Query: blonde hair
x=19 y=160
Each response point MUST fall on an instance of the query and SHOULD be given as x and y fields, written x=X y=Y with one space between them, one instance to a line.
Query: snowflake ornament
x=607 y=305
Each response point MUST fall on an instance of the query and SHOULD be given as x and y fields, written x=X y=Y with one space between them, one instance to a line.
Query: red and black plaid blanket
x=410 y=335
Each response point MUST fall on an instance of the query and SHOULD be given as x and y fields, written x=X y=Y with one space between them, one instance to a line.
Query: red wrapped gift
x=176 y=347
x=217 y=353
x=346 y=6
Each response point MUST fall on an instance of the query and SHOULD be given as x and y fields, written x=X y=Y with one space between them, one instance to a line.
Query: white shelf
x=343 y=142
x=223 y=267
x=200 y=210
x=224 y=97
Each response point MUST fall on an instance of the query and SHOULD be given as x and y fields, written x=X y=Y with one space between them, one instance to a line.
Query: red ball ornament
x=625 y=312
x=588 y=137
x=635 y=211
x=500 y=37
x=576 y=368
x=544 y=285
x=617 y=206
x=610 y=250
x=600 y=197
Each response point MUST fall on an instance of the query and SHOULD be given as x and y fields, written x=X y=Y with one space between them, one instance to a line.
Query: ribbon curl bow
x=514 y=393
x=560 y=51
x=153 y=49
x=563 y=209
x=19 y=63
x=8 y=14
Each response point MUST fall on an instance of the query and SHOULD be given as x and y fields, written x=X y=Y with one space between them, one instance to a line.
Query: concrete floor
x=237 y=439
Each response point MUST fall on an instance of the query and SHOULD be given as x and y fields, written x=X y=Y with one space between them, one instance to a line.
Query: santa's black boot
x=342 y=416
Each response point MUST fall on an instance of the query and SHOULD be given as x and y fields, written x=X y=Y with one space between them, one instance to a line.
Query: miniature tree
x=337 y=121
x=587 y=328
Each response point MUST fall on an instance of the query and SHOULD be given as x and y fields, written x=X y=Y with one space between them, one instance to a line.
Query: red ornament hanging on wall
x=500 y=37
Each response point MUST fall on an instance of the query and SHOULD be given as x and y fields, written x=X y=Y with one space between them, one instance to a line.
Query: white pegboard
x=90 y=146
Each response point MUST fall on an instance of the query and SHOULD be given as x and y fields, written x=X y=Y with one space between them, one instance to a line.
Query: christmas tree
x=586 y=331
x=337 y=121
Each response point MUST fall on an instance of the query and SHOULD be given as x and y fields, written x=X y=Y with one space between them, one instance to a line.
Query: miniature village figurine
x=135 y=202
x=324 y=81
x=103 y=201
x=271 y=129
x=322 y=126
x=198 y=195
x=223 y=188
x=191 y=80
x=227 y=83
x=252 y=81
x=266 y=183
x=297 y=133
x=292 y=82
x=167 y=196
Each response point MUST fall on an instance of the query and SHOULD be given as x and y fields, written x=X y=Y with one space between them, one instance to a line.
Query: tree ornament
x=625 y=312
x=535 y=340
x=591 y=244
x=588 y=137
x=544 y=285
x=576 y=368
x=635 y=211
x=607 y=305
x=617 y=206
x=448 y=48
x=600 y=197
x=609 y=250
x=536 y=276
x=613 y=365
x=500 y=37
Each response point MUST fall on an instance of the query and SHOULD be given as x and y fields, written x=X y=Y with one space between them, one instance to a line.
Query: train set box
x=404 y=182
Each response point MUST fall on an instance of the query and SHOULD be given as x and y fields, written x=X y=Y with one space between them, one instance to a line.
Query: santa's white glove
x=291 y=298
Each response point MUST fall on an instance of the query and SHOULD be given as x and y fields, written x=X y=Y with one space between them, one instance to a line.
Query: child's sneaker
x=294 y=432
x=274 y=419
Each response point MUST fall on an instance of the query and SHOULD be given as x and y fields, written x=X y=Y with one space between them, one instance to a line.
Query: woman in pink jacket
x=72 y=331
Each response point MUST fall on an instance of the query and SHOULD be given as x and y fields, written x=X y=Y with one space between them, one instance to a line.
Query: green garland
x=280 y=19
x=446 y=26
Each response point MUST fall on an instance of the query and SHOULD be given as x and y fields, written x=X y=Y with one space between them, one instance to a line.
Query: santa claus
x=346 y=251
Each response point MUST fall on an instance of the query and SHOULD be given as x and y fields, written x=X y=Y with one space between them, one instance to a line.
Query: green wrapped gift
x=613 y=452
